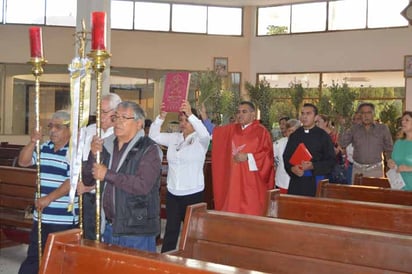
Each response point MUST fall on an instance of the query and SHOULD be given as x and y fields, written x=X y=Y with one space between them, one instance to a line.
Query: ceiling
x=236 y=3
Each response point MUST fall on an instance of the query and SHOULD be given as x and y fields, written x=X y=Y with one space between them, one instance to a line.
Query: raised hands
x=162 y=113
x=186 y=108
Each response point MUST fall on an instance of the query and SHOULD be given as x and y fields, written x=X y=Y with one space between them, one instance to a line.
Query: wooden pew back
x=17 y=193
x=66 y=252
x=363 y=193
x=285 y=246
x=365 y=215
x=359 y=179
x=9 y=156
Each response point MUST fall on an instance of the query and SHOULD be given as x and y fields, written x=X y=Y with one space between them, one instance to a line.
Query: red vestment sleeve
x=221 y=158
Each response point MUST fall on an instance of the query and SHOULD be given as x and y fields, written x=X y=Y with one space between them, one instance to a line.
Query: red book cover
x=176 y=90
x=301 y=154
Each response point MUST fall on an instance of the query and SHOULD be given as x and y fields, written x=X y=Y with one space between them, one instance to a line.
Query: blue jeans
x=147 y=243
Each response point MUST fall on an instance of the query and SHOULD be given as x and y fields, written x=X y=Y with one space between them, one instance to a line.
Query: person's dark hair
x=405 y=113
x=250 y=104
x=366 y=104
x=147 y=123
x=315 y=109
x=286 y=118
x=194 y=112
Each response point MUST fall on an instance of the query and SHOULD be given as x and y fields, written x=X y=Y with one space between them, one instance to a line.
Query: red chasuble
x=235 y=187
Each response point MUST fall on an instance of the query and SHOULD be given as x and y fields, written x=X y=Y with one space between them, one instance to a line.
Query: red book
x=176 y=90
x=301 y=154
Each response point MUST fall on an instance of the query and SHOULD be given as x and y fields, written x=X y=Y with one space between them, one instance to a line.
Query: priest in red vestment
x=242 y=164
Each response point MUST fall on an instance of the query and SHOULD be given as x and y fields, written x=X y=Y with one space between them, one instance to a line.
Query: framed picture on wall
x=220 y=66
x=408 y=66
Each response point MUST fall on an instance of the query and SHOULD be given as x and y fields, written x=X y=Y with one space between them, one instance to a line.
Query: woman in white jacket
x=281 y=176
x=186 y=153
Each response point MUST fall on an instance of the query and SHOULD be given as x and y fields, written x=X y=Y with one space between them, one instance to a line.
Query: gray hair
x=113 y=99
x=139 y=113
x=62 y=115
x=293 y=123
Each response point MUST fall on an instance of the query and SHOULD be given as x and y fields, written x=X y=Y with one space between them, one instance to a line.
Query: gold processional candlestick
x=37 y=71
x=82 y=39
x=99 y=57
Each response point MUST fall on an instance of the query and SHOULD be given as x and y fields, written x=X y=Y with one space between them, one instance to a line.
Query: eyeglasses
x=106 y=111
x=57 y=126
x=116 y=118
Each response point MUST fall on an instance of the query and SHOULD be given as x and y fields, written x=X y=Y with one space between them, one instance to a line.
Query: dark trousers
x=175 y=214
x=31 y=264
x=89 y=216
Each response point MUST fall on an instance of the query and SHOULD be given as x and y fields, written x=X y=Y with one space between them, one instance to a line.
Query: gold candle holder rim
x=37 y=60
x=99 y=53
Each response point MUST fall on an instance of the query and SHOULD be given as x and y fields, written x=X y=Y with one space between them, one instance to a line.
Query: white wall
x=382 y=49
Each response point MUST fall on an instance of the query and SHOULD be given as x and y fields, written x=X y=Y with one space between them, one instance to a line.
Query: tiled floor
x=12 y=257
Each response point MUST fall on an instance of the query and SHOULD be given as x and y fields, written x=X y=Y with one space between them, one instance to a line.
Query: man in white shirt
x=108 y=106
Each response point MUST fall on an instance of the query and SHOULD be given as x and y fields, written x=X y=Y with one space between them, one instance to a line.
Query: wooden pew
x=356 y=214
x=9 y=156
x=66 y=252
x=359 y=179
x=17 y=192
x=363 y=193
x=285 y=246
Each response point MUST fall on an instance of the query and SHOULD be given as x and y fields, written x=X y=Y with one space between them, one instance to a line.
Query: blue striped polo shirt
x=54 y=170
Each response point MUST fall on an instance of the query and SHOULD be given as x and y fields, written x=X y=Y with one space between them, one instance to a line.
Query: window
x=286 y=80
x=32 y=13
x=386 y=13
x=152 y=16
x=121 y=15
x=386 y=89
x=189 y=18
x=309 y=17
x=224 y=21
x=1 y=10
x=339 y=15
x=347 y=14
x=274 y=20
x=61 y=13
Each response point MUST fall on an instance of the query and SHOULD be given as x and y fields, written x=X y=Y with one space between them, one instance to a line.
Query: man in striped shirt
x=54 y=186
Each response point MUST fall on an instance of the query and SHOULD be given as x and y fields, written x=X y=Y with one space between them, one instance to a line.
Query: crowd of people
x=246 y=162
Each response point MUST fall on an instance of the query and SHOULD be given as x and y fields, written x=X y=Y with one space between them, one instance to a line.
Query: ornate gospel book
x=301 y=154
x=176 y=90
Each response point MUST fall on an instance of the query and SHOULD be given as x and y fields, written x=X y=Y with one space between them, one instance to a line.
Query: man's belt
x=367 y=166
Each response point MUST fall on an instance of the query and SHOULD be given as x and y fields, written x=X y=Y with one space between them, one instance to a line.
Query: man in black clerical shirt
x=304 y=176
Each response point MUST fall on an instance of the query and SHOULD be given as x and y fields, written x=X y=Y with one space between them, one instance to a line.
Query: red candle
x=98 y=30
x=36 y=43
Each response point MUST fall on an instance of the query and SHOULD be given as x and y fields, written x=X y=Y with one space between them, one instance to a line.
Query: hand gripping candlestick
x=37 y=61
x=98 y=54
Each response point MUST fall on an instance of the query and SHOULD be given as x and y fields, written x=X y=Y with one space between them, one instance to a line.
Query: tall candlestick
x=98 y=30
x=36 y=43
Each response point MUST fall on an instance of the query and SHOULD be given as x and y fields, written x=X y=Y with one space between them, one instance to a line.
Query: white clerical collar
x=307 y=130
x=245 y=126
